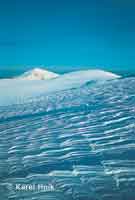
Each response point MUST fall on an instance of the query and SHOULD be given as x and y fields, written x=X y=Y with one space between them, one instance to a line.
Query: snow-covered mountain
x=74 y=133
x=21 y=88
x=38 y=74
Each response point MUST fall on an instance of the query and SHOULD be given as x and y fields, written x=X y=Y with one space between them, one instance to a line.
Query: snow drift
x=18 y=91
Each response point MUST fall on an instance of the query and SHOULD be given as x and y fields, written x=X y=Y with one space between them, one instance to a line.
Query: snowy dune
x=37 y=82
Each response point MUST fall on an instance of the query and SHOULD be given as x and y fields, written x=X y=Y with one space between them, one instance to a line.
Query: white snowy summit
x=38 y=74
x=18 y=91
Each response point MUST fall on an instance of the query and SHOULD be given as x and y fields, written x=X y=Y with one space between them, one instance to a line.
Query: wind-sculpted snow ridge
x=18 y=91
x=80 y=142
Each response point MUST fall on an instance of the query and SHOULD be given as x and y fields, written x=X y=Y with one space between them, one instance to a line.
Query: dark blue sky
x=65 y=33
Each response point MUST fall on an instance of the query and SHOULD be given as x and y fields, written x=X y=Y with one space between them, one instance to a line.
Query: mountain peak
x=38 y=74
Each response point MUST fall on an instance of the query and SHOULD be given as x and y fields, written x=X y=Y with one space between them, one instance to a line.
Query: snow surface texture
x=76 y=133
x=17 y=90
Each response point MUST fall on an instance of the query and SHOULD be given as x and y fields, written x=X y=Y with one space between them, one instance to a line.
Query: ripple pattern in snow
x=81 y=141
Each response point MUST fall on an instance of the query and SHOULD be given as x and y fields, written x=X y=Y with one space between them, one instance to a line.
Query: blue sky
x=67 y=34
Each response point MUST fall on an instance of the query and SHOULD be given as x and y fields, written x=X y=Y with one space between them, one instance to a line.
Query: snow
x=38 y=74
x=27 y=86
